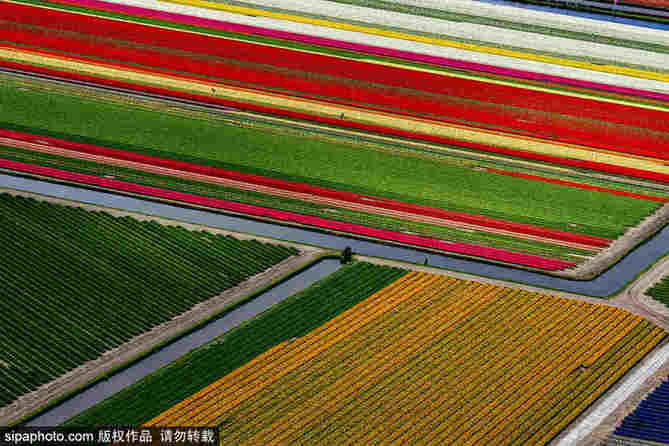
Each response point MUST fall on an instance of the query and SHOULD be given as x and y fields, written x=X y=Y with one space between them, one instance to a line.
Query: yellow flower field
x=429 y=359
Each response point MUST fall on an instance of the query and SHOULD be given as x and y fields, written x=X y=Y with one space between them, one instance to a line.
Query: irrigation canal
x=606 y=284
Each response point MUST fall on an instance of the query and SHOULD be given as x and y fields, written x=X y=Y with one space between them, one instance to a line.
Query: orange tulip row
x=361 y=373
x=633 y=349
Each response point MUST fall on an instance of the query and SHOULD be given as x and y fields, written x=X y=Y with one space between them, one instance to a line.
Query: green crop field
x=288 y=204
x=660 y=291
x=294 y=317
x=316 y=161
x=76 y=283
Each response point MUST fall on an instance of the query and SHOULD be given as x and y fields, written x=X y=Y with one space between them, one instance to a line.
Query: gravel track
x=474 y=32
x=406 y=45
x=111 y=359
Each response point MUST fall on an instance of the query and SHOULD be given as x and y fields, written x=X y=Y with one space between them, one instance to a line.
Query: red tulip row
x=102 y=28
x=155 y=90
x=345 y=91
x=465 y=249
x=580 y=185
x=313 y=190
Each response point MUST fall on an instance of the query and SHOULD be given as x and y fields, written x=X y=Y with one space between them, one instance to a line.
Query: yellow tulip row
x=544 y=378
x=357 y=399
x=416 y=388
x=505 y=370
x=363 y=353
x=428 y=359
x=630 y=352
x=559 y=375
x=296 y=356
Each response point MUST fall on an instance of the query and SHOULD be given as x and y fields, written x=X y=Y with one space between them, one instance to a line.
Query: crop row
x=543 y=151
x=335 y=47
x=365 y=93
x=80 y=283
x=117 y=34
x=649 y=420
x=292 y=318
x=330 y=164
x=389 y=223
x=465 y=362
x=625 y=169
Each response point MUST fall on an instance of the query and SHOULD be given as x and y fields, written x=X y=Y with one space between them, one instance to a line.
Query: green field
x=294 y=317
x=313 y=160
x=660 y=291
x=288 y=204
x=76 y=283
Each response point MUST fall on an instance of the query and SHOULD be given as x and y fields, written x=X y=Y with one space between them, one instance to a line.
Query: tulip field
x=504 y=165
x=334 y=171
x=419 y=205
x=426 y=358
x=660 y=291
x=78 y=283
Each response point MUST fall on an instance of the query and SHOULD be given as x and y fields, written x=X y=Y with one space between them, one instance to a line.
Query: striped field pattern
x=431 y=359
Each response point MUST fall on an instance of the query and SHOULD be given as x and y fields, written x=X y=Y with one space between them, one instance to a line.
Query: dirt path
x=79 y=377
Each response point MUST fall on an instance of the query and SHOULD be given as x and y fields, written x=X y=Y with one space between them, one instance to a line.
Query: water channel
x=606 y=284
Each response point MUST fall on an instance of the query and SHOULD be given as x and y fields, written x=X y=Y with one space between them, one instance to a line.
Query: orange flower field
x=429 y=357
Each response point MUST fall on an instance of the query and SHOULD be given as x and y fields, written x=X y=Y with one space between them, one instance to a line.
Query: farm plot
x=432 y=360
x=78 y=283
x=184 y=183
x=292 y=318
x=310 y=159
